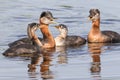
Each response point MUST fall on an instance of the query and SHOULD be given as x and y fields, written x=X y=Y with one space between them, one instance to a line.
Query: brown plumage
x=95 y=35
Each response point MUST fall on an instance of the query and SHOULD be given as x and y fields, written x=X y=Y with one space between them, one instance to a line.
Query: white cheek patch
x=97 y=16
x=45 y=20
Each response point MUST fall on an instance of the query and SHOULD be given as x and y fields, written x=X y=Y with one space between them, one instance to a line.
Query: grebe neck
x=47 y=36
x=63 y=34
x=96 y=26
x=95 y=35
x=60 y=39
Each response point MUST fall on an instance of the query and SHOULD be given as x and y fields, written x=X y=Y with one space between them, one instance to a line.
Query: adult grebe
x=95 y=35
x=46 y=18
x=66 y=40
x=24 y=45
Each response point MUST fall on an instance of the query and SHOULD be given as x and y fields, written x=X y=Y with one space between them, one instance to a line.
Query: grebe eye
x=90 y=16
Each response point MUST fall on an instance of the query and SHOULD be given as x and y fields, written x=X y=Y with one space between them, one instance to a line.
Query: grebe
x=24 y=45
x=46 y=18
x=26 y=40
x=66 y=40
x=95 y=35
x=60 y=39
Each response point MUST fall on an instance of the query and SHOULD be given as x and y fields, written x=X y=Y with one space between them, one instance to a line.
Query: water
x=72 y=64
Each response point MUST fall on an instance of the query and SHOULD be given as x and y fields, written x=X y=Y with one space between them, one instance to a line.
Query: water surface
x=72 y=64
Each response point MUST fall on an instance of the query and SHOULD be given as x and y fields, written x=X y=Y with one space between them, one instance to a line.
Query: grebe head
x=46 y=17
x=94 y=14
x=62 y=28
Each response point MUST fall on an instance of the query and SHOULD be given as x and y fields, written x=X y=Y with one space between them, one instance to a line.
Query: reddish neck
x=47 y=36
x=96 y=26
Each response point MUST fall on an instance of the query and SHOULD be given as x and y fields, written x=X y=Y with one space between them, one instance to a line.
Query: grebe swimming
x=46 y=18
x=95 y=35
x=67 y=40
x=24 y=45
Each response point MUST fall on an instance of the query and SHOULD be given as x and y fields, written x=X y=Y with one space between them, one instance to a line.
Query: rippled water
x=72 y=64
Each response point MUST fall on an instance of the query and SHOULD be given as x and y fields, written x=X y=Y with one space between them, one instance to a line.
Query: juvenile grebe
x=26 y=40
x=95 y=35
x=66 y=40
x=60 y=39
x=23 y=46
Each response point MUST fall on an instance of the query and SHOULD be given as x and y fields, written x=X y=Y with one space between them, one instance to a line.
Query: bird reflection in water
x=44 y=57
x=62 y=57
x=95 y=50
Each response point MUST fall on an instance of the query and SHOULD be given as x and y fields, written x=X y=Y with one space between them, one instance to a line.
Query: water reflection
x=43 y=59
x=95 y=50
x=62 y=57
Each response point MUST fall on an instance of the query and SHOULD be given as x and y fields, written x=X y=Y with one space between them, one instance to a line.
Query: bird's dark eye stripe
x=50 y=18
